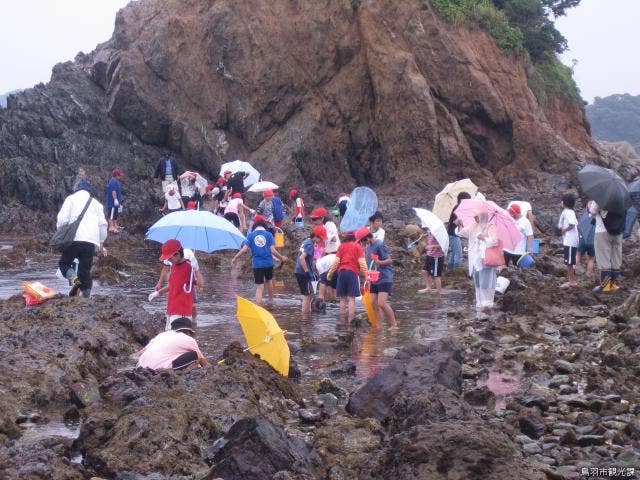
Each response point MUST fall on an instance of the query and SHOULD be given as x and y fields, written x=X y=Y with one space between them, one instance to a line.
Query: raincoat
x=484 y=278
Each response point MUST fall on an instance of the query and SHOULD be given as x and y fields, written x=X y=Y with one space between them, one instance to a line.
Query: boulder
x=256 y=448
x=412 y=372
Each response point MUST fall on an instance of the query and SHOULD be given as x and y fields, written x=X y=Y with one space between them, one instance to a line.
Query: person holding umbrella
x=482 y=237
x=433 y=265
x=608 y=246
x=455 y=257
x=377 y=254
x=611 y=199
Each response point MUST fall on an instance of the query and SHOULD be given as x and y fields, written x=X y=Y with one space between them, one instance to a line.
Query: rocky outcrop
x=413 y=371
x=318 y=95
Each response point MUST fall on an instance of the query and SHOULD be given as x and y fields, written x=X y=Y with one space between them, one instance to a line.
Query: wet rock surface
x=413 y=371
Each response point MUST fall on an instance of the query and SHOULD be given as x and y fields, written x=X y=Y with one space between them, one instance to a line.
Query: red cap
x=191 y=205
x=320 y=231
x=361 y=233
x=259 y=219
x=267 y=193
x=236 y=195
x=514 y=210
x=116 y=172
x=209 y=187
x=292 y=193
x=319 y=213
x=169 y=248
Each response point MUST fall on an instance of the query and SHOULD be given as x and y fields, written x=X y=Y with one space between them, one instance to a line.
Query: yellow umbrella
x=264 y=336
x=368 y=306
x=448 y=197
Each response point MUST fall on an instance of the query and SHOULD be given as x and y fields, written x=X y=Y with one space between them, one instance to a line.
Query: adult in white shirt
x=526 y=244
x=608 y=246
x=91 y=234
x=376 y=226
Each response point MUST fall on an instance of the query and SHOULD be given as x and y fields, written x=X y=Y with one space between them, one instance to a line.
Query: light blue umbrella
x=197 y=230
x=363 y=202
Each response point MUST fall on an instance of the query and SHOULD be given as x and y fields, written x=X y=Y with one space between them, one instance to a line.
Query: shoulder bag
x=67 y=232
x=494 y=256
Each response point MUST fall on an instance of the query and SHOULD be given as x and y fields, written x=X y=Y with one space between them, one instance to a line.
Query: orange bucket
x=279 y=238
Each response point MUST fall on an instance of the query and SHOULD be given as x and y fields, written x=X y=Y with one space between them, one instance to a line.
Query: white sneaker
x=424 y=290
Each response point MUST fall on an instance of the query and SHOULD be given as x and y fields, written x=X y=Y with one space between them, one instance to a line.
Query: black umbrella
x=634 y=191
x=606 y=187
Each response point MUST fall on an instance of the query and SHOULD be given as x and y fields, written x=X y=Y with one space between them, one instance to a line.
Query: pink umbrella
x=505 y=225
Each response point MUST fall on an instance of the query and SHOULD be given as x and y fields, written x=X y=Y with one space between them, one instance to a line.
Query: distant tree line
x=616 y=118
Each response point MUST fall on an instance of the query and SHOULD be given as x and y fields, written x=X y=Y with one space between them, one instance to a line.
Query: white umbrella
x=262 y=186
x=436 y=227
x=240 y=166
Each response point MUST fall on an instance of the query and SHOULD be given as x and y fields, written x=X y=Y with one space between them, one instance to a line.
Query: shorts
x=570 y=255
x=113 y=213
x=233 y=218
x=347 y=284
x=588 y=249
x=304 y=283
x=262 y=274
x=434 y=266
x=329 y=283
x=381 y=287
x=511 y=257
x=184 y=360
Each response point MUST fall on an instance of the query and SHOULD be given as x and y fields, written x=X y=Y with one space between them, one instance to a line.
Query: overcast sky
x=37 y=34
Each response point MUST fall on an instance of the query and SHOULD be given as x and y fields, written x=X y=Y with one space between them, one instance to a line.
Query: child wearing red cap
x=525 y=245
x=349 y=261
x=181 y=283
x=304 y=270
x=319 y=217
x=297 y=204
x=265 y=208
x=172 y=201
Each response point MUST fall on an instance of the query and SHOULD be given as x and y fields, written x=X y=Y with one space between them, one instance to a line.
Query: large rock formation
x=323 y=95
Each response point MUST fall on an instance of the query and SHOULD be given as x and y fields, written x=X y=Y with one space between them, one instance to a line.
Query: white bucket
x=502 y=283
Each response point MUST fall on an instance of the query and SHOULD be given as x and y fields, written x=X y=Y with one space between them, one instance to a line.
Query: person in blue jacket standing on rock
x=114 y=199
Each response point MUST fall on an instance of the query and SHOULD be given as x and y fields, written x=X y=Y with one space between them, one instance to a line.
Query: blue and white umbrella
x=198 y=230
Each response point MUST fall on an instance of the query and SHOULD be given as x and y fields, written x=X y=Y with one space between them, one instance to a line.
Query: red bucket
x=373 y=276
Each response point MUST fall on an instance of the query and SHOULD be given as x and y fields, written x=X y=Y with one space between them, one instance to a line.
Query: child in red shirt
x=349 y=261
x=181 y=283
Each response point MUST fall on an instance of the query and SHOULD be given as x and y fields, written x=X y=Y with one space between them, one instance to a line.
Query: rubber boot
x=71 y=276
x=86 y=293
x=613 y=284
x=605 y=278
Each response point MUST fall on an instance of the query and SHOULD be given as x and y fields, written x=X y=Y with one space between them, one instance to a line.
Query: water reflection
x=420 y=317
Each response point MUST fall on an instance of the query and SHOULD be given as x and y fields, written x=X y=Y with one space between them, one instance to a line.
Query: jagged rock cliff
x=324 y=95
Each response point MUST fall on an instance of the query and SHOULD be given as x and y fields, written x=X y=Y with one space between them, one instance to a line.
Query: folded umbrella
x=264 y=336
x=606 y=187
x=448 y=197
x=436 y=227
x=506 y=227
x=263 y=186
x=198 y=230
x=240 y=166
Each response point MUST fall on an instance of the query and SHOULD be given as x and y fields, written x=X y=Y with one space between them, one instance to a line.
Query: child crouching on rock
x=433 y=265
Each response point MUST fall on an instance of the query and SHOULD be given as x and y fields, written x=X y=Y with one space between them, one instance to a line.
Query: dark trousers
x=84 y=252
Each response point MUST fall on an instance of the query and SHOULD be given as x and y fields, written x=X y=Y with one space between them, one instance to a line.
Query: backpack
x=614 y=222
